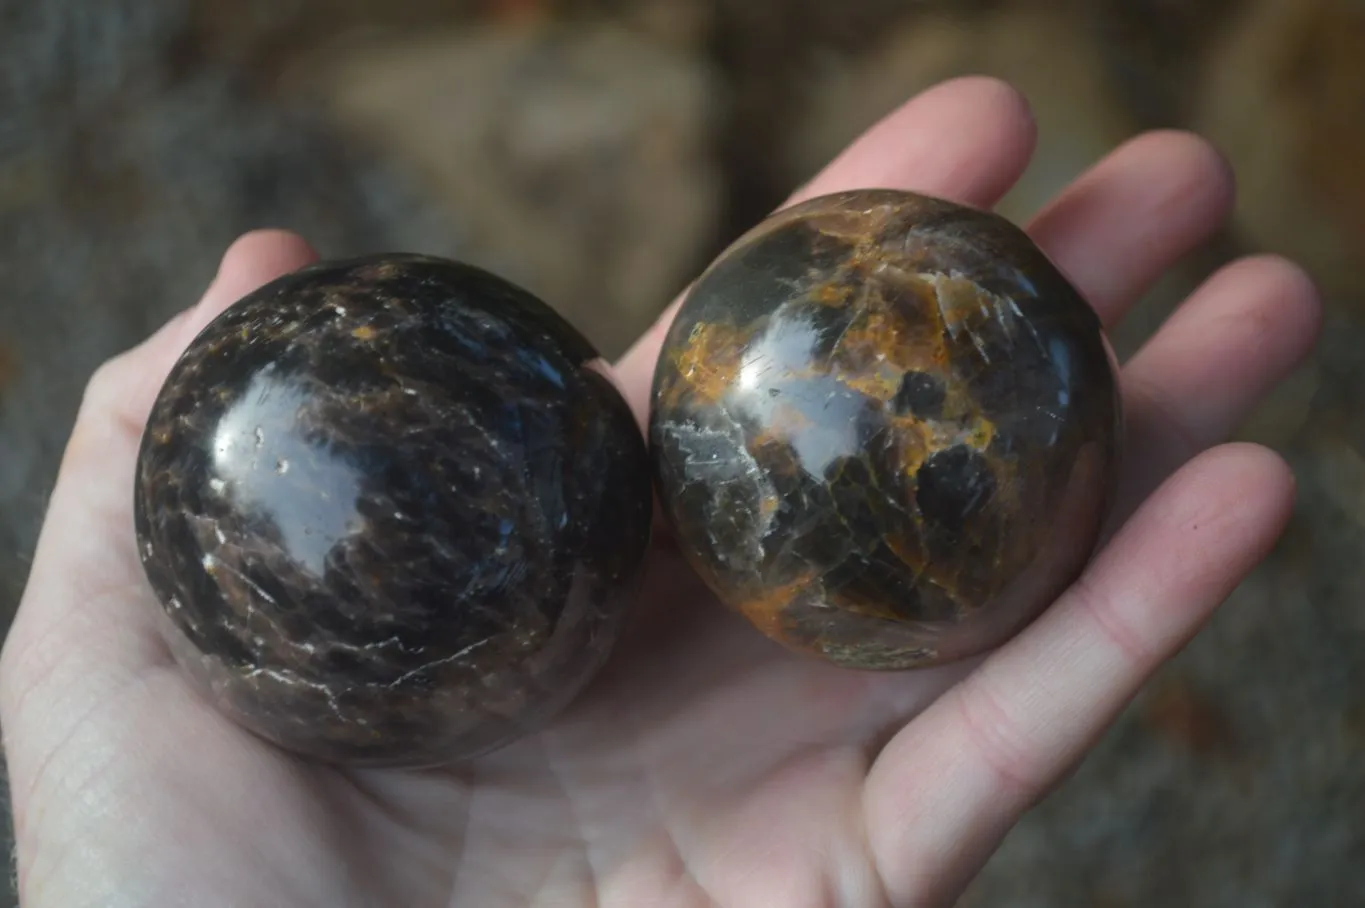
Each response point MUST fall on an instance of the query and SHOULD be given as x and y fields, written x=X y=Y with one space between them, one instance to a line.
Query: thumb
x=122 y=391
x=83 y=637
x=82 y=626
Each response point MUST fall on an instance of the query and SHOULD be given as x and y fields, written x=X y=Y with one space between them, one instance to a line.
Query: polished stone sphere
x=394 y=510
x=885 y=429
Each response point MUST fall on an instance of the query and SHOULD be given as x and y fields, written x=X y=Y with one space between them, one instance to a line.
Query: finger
x=967 y=140
x=84 y=557
x=124 y=388
x=1123 y=223
x=943 y=793
x=1190 y=386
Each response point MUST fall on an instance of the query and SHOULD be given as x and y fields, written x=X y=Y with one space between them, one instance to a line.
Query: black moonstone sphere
x=394 y=510
x=886 y=429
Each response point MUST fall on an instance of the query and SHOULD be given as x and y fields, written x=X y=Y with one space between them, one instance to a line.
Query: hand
x=707 y=767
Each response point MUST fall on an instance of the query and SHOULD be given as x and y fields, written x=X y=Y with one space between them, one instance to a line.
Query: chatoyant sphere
x=885 y=429
x=394 y=510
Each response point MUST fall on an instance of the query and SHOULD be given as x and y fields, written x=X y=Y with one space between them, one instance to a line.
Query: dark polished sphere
x=394 y=510
x=886 y=429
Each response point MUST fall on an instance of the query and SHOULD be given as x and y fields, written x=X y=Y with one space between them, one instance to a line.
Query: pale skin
x=707 y=766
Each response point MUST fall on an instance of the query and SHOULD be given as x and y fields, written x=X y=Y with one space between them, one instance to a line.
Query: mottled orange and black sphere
x=886 y=429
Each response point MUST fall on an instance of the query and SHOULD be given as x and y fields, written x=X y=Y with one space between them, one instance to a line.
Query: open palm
x=706 y=766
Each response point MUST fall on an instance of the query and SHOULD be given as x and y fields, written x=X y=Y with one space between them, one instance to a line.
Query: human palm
x=706 y=765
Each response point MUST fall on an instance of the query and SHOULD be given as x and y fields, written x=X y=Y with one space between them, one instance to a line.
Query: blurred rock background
x=601 y=151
